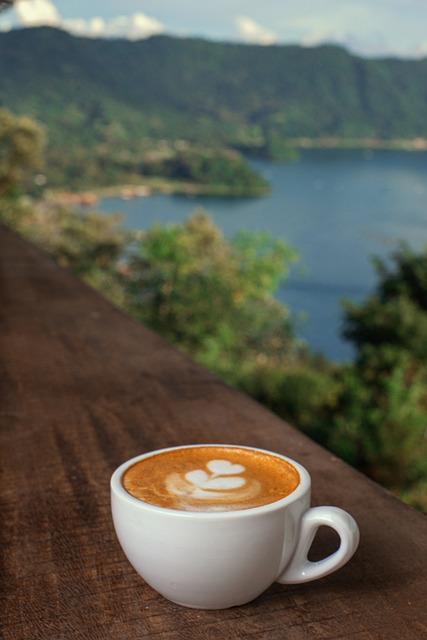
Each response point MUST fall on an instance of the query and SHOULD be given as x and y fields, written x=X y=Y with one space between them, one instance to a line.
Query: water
x=337 y=208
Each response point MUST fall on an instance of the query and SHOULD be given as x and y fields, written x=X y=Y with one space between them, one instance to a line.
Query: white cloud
x=93 y=28
x=132 y=27
x=43 y=12
x=251 y=31
x=36 y=12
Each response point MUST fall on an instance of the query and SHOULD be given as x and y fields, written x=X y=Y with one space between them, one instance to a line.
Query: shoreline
x=396 y=144
x=147 y=187
x=150 y=185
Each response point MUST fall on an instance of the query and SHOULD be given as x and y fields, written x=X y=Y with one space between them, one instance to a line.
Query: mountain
x=121 y=109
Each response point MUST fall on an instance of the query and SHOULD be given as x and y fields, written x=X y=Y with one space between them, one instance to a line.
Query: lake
x=338 y=208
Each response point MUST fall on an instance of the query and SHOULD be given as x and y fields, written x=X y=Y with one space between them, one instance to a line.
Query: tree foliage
x=21 y=143
x=396 y=314
x=380 y=422
x=213 y=297
x=220 y=170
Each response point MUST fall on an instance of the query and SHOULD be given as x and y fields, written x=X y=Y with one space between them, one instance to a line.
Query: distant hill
x=121 y=109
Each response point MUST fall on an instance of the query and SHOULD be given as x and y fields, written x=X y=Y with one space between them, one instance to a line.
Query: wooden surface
x=83 y=388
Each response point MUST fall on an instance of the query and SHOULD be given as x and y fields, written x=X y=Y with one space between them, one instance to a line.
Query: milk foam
x=219 y=482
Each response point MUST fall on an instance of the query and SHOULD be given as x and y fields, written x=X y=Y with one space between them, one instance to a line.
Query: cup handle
x=300 y=569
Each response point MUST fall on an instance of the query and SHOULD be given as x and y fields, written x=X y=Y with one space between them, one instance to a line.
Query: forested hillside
x=126 y=109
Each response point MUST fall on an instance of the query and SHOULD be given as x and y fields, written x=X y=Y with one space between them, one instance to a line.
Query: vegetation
x=220 y=171
x=108 y=127
x=384 y=400
x=21 y=143
x=214 y=299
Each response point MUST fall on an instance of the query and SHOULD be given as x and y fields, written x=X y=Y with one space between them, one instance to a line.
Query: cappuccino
x=211 y=478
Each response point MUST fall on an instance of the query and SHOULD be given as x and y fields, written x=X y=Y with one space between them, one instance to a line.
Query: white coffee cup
x=220 y=559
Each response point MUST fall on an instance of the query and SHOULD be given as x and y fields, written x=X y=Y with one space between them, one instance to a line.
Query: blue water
x=337 y=208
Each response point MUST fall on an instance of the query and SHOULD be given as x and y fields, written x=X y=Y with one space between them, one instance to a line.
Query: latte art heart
x=221 y=480
x=223 y=476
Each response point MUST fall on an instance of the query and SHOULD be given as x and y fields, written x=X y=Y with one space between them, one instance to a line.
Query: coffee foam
x=211 y=478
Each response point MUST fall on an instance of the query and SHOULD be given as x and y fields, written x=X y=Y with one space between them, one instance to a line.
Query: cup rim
x=118 y=490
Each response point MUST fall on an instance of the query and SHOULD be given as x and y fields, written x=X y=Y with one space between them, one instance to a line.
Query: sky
x=370 y=28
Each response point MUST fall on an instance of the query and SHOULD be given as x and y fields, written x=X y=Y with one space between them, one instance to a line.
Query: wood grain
x=83 y=388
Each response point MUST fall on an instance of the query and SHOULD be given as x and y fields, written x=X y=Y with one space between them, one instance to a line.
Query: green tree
x=213 y=297
x=380 y=423
x=21 y=144
x=396 y=314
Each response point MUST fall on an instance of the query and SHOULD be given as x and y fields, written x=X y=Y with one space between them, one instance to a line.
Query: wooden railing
x=83 y=388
